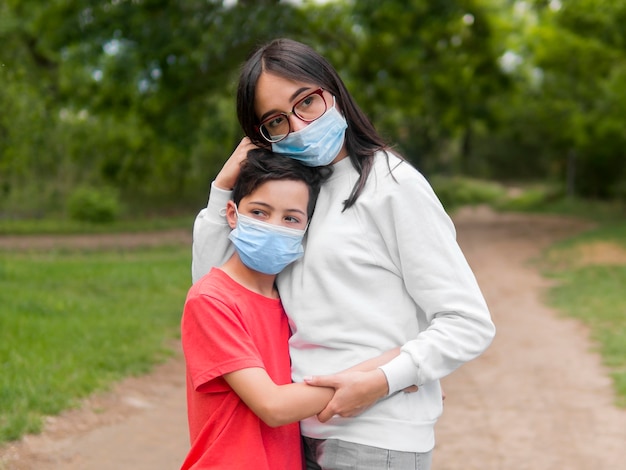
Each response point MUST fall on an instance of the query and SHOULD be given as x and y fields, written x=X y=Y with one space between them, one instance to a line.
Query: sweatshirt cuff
x=218 y=198
x=400 y=372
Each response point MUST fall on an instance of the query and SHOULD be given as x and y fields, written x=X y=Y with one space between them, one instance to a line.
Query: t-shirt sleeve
x=215 y=342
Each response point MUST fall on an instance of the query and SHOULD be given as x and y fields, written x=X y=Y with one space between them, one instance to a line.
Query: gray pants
x=333 y=454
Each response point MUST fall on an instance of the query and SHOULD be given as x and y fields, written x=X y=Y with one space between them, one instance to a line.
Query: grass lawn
x=56 y=226
x=591 y=274
x=72 y=323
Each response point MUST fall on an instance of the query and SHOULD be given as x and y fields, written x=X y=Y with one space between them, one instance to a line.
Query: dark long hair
x=296 y=61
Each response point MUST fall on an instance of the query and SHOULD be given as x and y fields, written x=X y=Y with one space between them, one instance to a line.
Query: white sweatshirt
x=386 y=272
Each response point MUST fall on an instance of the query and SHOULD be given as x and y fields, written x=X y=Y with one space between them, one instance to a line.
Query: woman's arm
x=211 y=246
x=441 y=283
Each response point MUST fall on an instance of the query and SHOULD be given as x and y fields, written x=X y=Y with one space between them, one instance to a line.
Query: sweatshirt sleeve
x=211 y=246
x=422 y=243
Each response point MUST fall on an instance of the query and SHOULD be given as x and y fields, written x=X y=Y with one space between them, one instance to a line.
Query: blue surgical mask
x=319 y=143
x=266 y=248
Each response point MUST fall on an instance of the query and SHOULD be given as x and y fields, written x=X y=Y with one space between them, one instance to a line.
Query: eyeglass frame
x=320 y=91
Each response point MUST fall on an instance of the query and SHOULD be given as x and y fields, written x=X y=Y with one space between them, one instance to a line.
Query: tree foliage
x=139 y=94
x=428 y=68
x=565 y=114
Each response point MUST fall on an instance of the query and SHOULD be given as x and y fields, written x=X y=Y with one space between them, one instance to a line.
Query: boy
x=243 y=409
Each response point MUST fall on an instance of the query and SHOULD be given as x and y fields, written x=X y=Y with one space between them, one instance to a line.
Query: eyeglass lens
x=308 y=109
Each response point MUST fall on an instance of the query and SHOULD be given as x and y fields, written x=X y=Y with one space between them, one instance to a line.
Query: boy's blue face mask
x=264 y=247
x=319 y=143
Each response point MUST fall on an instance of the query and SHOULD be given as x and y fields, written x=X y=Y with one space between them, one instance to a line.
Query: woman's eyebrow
x=298 y=91
x=271 y=112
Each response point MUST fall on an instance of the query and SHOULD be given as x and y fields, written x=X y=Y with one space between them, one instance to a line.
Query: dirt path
x=538 y=399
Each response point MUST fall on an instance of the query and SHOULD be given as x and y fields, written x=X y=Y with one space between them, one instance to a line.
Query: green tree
x=427 y=69
x=564 y=119
x=133 y=94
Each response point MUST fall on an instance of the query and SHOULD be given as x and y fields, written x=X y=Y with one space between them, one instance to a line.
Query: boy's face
x=277 y=202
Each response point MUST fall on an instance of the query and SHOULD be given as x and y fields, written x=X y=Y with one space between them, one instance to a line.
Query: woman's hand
x=227 y=177
x=356 y=388
x=355 y=391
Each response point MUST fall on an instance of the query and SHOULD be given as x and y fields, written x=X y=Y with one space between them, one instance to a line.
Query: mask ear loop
x=335 y=106
x=236 y=213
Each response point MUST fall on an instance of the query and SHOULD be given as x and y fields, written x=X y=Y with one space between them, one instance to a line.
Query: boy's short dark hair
x=264 y=165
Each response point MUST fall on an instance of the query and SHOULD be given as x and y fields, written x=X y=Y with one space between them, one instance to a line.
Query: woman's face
x=275 y=94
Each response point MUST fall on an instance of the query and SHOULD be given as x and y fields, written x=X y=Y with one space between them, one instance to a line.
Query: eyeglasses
x=275 y=128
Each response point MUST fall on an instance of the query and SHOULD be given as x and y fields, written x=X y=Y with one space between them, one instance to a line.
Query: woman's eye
x=293 y=220
x=306 y=101
x=276 y=122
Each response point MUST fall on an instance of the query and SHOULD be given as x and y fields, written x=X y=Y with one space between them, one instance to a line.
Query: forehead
x=275 y=93
x=281 y=194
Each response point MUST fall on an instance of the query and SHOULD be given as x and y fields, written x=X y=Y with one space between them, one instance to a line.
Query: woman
x=381 y=268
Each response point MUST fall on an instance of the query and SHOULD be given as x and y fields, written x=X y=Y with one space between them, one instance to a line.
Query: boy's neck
x=255 y=281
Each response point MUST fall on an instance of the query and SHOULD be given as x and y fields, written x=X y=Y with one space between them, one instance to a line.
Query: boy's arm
x=277 y=405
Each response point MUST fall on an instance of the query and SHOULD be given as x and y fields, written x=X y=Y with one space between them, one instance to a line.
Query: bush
x=459 y=191
x=532 y=198
x=618 y=190
x=97 y=205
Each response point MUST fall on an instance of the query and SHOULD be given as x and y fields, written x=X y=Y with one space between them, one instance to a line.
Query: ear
x=231 y=214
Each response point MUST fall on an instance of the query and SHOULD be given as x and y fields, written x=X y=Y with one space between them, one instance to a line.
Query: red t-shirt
x=226 y=327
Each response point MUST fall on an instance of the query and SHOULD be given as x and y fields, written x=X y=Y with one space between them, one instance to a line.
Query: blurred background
x=116 y=115
x=127 y=107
